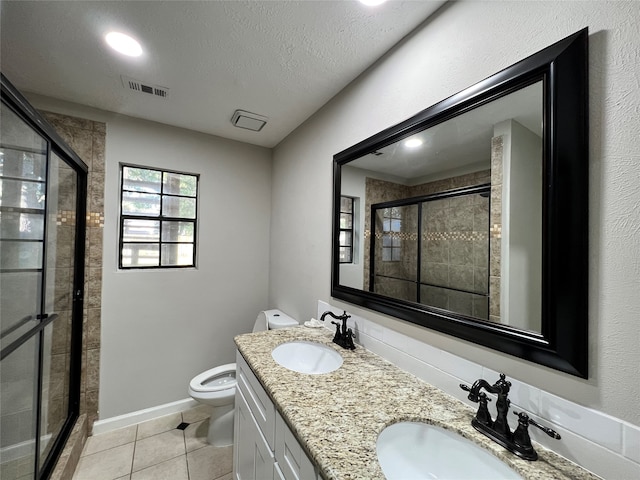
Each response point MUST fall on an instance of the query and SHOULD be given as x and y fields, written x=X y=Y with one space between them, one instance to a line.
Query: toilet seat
x=217 y=379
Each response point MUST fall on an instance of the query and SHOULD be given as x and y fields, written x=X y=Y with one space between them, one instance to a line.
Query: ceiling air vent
x=144 y=88
x=248 y=120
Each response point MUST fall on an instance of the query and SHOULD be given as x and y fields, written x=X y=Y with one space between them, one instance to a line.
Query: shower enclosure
x=42 y=225
x=433 y=250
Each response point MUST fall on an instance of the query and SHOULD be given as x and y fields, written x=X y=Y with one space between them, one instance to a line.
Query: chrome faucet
x=518 y=442
x=344 y=336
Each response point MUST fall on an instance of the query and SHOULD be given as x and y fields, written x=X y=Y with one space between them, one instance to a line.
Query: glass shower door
x=40 y=297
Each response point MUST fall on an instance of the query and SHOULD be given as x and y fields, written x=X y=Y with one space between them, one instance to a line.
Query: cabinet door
x=291 y=458
x=253 y=458
x=261 y=406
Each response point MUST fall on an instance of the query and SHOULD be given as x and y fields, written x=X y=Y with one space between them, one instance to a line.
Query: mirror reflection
x=451 y=217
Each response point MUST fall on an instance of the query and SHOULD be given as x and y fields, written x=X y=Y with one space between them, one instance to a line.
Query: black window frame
x=351 y=230
x=159 y=218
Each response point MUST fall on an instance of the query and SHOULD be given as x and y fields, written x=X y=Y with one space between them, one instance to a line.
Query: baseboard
x=113 y=423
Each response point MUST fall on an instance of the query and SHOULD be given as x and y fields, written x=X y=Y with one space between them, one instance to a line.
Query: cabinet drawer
x=259 y=403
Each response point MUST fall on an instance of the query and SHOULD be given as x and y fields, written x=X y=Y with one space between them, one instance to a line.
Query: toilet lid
x=281 y=321
x=216 y=379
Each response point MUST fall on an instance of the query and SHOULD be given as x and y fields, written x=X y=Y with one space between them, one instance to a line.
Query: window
x=392 y=226
x=346 y=230
x=157 y=218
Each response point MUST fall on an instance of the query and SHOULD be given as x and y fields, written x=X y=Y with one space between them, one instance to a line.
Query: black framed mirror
x=470 y=218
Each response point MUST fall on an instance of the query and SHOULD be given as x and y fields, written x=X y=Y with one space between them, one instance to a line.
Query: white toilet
x=217 y=386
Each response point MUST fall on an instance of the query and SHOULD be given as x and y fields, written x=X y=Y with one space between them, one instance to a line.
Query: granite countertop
x=337 y=416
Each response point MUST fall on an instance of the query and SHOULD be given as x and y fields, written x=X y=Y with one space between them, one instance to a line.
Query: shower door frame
x=18 y=104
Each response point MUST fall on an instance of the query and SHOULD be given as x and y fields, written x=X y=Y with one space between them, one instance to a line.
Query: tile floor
x=173 y=447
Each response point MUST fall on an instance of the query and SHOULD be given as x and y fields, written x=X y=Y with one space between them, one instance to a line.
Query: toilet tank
x=273 y=320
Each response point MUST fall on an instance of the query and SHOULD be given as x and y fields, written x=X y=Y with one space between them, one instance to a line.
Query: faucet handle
x=473 y=397
x=525 y=420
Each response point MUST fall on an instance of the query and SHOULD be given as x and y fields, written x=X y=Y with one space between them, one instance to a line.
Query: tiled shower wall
x=87 y=139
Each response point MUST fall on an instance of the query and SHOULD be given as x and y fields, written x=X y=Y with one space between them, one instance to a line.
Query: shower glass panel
x=395 y=249
x=23 y=163
x=41 y=282
x=59 y=274
x=434 y=250
x=18 y=413
x=455 y=254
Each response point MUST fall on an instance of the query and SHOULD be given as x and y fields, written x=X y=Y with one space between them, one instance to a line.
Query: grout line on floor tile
x=135 y=442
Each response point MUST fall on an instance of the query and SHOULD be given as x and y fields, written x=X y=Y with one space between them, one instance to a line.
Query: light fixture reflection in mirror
x=480 y=232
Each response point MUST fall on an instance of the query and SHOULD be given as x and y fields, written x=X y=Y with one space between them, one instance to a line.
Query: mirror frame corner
x=563 y=343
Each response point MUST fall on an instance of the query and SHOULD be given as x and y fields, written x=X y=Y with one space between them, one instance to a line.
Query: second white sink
x=307 y=357
x=414 y=450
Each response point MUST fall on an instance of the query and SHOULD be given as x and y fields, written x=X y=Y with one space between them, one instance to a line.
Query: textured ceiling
x=280 y=59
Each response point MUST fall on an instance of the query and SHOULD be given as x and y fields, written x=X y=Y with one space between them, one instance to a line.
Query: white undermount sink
x=414 y=450
x=307 y=357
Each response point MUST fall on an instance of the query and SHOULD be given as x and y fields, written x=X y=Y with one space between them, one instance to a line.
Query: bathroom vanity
x=292 y=425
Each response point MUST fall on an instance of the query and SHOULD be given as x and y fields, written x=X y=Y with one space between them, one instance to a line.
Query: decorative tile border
x=95 y=219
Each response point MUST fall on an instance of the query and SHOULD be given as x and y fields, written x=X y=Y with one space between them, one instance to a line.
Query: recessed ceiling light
x=413 y=143
x=124 y=44
x=372 y=3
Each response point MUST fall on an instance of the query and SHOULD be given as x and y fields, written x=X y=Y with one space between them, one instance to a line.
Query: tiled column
x=495 y=229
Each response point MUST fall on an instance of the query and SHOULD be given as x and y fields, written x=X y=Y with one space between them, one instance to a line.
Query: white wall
x=161 y=328
x=463 y=44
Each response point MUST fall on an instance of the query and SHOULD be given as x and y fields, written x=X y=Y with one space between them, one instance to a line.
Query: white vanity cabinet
x=264 y=446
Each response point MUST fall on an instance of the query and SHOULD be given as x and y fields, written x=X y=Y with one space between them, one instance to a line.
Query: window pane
x=386 y=226
x=395 y=254
x=23 y=226
x=386 y=254
x=386 y=240
x=18 y=164
x=141 y=179
x=177 y=231
x=179 y=207
x=345 y=239
x=345 y=220
x=177 y=254
x=21 y=255
x=396 y=225
x=140 y=204
x=346 y=204
x=140 y=255
x=345 y=255
x=180 y=184
x=22 y=194
x=141 y=230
